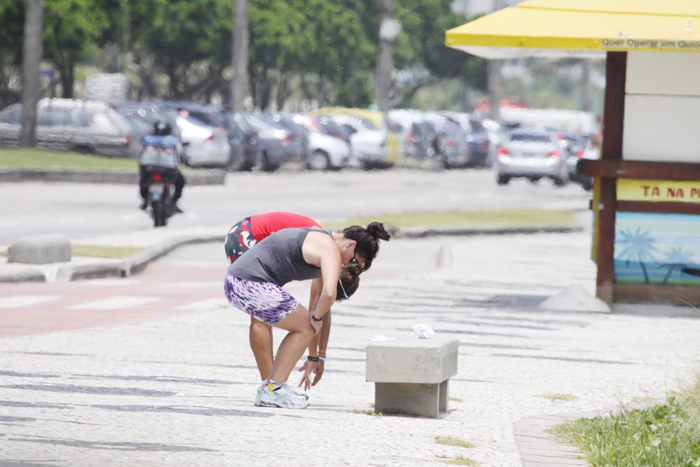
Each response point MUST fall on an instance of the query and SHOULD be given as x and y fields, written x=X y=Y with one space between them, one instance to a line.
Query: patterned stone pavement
x=177 y=389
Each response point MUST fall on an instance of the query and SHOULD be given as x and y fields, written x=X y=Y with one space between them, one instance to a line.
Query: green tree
x=71 y=27
x=11 y=33
x=336 y=51
x=190 y=41
x=422 y=42
x=274 y=48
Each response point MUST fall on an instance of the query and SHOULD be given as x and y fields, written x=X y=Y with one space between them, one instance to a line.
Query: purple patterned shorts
x=264 y=301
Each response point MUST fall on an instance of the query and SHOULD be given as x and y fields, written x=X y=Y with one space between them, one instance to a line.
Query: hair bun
x=377 y=230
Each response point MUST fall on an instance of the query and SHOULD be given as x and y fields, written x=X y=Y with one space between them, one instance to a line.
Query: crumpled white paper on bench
x=423 y=331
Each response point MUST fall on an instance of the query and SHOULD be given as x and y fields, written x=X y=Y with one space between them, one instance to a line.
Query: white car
x=327 y=152
x=324 y=151
x=204 y=145
x=369 y=145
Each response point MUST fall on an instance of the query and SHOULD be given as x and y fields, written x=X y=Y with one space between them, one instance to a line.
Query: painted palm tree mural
x=637 y=248
x=641 y=237
x=676 y=259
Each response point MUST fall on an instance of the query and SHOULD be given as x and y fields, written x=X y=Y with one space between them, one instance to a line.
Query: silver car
x=277 y=144
x=531 y=153
x=88 y=127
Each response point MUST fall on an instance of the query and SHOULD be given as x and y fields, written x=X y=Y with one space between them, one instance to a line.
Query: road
x=88 y=210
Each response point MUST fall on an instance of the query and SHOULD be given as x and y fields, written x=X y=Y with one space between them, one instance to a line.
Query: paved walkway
x=178 y=390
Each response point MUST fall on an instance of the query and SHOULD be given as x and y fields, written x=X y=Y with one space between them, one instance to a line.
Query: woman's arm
x=316 y=286
x=321 y=250
x=316 y=368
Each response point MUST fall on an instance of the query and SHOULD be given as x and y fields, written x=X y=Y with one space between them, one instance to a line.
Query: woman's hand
x=310 y=367
x=318 y=371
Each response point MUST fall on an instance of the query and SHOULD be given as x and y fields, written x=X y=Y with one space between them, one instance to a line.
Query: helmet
x=161 y=128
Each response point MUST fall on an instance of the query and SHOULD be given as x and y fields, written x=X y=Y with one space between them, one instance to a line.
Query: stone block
x=412 y=360
x=41 y=249
x=411 y=376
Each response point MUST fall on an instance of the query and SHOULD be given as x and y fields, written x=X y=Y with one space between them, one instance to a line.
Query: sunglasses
x=354 y=263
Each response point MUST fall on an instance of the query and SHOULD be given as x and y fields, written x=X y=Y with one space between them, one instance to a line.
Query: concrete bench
x=411 y=376
x=41 y=249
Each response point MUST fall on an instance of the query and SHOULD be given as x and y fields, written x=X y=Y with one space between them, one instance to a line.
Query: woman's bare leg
x=293 y=345
x=260 y=336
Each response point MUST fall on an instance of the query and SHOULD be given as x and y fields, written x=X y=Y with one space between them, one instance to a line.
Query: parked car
x=331 y=128
x=212 y=115
x=325 y=152
x=482 y=142
x=372 y=120
x=277 y=145
x=531 y=153
x=88 y=127
x=450 y=142
x=204 y=145
x=369 y=145
x=150 y=113
x=300 y=132
x=245 y=148
x=416 y=135
x=243 y=142
x=577 y=147
x=139 y=127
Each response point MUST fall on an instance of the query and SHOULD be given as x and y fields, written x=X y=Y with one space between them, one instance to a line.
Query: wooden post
x=613 y=128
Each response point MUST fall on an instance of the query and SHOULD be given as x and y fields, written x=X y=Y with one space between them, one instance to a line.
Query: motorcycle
x=160 y=193
x=158 y=162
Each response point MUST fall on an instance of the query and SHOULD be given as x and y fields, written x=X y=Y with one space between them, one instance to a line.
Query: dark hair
x=347 y=285
x=367 y=240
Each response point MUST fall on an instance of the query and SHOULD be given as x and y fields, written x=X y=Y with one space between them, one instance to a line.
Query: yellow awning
x=581 y=28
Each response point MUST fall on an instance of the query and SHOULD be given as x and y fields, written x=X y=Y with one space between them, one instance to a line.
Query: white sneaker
x=282 y=396
x=257 y=396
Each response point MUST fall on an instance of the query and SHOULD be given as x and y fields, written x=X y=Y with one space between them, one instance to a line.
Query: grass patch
x=452 y=441
x=456 y=399
x=369 y=412
x=40 y=159
x=665 y=435
x=558 y=397
x=99 y=251
x=459 y=460
x=524 y=217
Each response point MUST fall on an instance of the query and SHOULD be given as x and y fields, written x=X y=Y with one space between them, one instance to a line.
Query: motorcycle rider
x=164 y=129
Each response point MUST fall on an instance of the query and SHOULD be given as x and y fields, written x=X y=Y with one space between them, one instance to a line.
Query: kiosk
x=647 y=181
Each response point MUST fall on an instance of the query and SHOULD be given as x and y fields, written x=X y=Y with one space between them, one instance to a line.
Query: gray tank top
x=277 y=258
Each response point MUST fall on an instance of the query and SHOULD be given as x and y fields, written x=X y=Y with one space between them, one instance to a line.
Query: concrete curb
x=138 y=262
x=22 y=276
x=423 y=232
x=121 y=177
x=131 y=265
